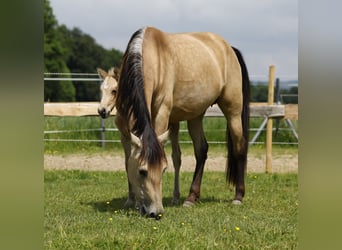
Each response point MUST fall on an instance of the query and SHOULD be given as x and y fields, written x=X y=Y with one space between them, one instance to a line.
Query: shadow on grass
x=107 y=206
x=118 y=203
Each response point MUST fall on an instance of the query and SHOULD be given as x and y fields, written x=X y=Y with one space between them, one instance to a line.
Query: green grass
x=214 y=130
x=77 y=215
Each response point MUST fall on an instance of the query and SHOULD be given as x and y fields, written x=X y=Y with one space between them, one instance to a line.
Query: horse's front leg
x=176 y=158
x=126 y=144
x=201 y=149
x=127 y=149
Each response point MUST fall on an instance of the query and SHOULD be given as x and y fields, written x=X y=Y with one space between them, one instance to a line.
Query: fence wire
x=180 y=141
x=94 y=77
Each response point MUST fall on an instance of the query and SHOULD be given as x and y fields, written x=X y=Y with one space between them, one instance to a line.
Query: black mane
x=131 y=101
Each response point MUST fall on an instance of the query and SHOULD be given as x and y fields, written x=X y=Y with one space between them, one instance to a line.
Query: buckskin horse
x=167 y=78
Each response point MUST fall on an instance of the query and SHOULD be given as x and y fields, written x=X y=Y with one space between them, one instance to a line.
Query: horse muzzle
x=152 y=213
x=103 y=112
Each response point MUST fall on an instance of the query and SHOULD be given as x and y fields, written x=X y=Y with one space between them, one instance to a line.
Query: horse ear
x=164 y=137
x=111 y=72
x=135 y=140
x=102 y=73
x=116 y=73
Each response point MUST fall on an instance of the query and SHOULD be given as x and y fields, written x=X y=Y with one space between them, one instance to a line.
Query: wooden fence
x=268 y=111
x=287 y=111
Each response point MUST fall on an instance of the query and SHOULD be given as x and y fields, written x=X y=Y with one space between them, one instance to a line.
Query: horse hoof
x=237 y=202
x=175 y=202
x=188 y=204
x=129 y=203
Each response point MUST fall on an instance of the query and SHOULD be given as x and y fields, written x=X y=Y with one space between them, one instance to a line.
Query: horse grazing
x=167 y=78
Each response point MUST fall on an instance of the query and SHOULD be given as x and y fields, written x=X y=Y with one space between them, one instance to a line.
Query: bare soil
x=283 y=163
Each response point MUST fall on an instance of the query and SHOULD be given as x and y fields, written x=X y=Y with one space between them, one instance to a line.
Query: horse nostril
x=102 y=112
x=156 y=216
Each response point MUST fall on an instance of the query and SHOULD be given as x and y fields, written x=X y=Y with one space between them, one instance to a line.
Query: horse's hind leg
x=237 y=162
x=176 y=158
x=201 y=149
x=237 y=154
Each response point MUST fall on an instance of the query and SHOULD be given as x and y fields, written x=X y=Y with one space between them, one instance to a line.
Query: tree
x=259 y=92
x=84 y=56
x=289 y=95
x=54 y=59
x=71 y=50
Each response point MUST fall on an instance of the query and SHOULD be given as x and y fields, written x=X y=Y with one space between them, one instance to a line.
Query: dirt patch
x=105 y=162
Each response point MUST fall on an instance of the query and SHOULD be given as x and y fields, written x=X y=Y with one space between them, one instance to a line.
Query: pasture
x=84 y=210
x=88 y=128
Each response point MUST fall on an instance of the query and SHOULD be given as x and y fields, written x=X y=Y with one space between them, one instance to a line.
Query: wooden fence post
x=269 y=127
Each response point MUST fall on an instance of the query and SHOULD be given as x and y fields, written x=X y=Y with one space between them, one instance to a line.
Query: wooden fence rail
x=287 y=111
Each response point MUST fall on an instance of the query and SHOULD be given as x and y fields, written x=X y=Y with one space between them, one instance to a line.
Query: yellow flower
x=237 y=228
x=107 y=202
x=154 y=228
x=111 y=219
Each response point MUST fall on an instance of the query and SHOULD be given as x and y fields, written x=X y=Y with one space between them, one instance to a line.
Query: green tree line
x=259 y=93
x=71 y=50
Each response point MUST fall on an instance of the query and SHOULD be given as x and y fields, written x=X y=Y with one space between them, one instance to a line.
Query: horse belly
x=189 y=103
x=194 y=92
x=178 y=114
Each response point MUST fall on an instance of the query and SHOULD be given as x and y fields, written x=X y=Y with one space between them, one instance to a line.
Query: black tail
x=131 y=102
x=237 y=164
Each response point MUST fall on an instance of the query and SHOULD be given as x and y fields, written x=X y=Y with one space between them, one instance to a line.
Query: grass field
x=83 y=210
x=78 y=128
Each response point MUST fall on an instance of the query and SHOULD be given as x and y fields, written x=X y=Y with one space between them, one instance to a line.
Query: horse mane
x=131 y=102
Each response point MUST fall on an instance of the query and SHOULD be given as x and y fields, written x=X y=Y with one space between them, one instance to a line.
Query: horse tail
x=236 y=170
x=131 y=102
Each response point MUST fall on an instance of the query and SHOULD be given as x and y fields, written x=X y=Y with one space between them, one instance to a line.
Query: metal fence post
x=103 y=127
x=103 y=135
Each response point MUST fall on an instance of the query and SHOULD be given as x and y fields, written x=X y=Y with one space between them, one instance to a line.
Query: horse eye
x=114 y=92
x=143 y=173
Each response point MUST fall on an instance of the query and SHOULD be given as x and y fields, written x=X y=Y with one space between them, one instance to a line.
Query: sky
x=265 y=31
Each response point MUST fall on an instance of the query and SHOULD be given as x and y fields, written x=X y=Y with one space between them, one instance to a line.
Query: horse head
x=146 y=180
x=108 y=89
